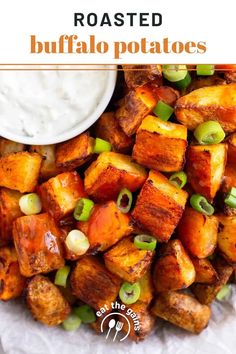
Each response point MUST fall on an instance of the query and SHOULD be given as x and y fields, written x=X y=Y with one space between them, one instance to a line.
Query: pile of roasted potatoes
x=140 y=209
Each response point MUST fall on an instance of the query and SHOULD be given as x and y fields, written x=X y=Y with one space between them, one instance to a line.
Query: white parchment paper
x=20 y=334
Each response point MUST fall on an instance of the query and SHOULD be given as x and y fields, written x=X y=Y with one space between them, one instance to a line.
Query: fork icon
x=119 y=326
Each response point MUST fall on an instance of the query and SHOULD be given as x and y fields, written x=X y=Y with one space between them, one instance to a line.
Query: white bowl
x=78 y=128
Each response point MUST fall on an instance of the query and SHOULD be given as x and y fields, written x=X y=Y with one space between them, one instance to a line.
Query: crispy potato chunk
x=153 y=136
x=106 y=226
x=9 y=147
x=159 y=206
x=198 y=233
x=206 y=293
x=48 y=167
x=208 y=103
x=227 y=237
x=182 y=310
x=46 y=301
x=147 y=288
x=205 y=273
x=75 y=152
x=173 y=269
x=107 y=128
x=127 y=261
x=139 y=75
x=229 y=181
x=231 y=155
x=92 y=283
x=20 y=171
x=205 y=168
x=11 y=281
x=37 y=242
x=60 y=194
x=111 y=172
x=9 y=211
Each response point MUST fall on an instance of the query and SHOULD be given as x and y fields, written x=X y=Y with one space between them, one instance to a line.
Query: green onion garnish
x=209 y=132
x=77 y=242
x=83 y=209
x=205 y=69
x=230 y=199
x=101 y=145
x=124 y=200
x=163 y=110
x=200 y=204
x=174 y=73
x=225 y=291
x=145 y=242
x=30 y=204
x=183 y=84
x=178 y=179
x=85 y=313
x=129 y=293
x=61 y=276
x=71 y=323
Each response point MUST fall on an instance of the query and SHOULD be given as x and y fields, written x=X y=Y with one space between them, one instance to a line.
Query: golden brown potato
x=111 y=172
x=11 y=281
x=139 y=75
x=147 y=288
x=208 y=103
x=106 y=226
x=159 y=206
x=75 y=152
x=173 y=269
x=205 y=273
x=37 y=242
x=107 y=128
x=127 y=261
x=231 y=155
x=46 y=301
x=60 y=194
x=92 y=283
x=227 y=237
x=229 y=181
x=152 y=139
x=182 y=310
x=20 y=171
x=198 y=233
x=48 y=167
x=9 y=147
x=9 y=211
x=205 y=168
x=206 y=293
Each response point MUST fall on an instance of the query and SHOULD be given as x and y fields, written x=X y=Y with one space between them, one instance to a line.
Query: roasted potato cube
x=20 y=171
x=231 y=155
x=92 y=283
x=139 y=75
x=46 y=302
x=9 y=211
x=173 y=269
x=198 y=233
x=208 y=103
x=182 y=310
x=75 y=152
x=206 y=293
x=107 y=128
x=205 y=273
x=153 y=136
x=11 y=281
x=37 y=242
x=9 y=147
x=127 y=261
x=106 y=226
x=110 y=173
x=60 y=194
x=159 y=206
x=205 y=168
x=48 y=153
x=147 y=288
x=227 y=237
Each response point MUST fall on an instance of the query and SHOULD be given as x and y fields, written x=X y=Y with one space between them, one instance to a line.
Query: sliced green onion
x=225 y=291
x=183 y=84
x=145 y=242
x=71 y=323
x=209 y=132
x=85 y=313
x=83 y=209
x=30 y=204
x=205 y=69
x=77 y=242
x=129 y=293
x=174 y=73
x=61 y=276
x=101 y=145
x=178 y=179
x=230 y=199
x=199 y=203
x=124 y=200
x=163 y=110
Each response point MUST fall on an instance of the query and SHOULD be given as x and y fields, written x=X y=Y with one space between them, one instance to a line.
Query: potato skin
x=48 y=168
x=227 y=237
x=205 y=273
x=208 y=103
x=182 y=310
x=106 y=226
x=12 y=283
x=139 y=75
x=20 y=171
x=8 y=147
x=173 y=269
x=198 y=233
x=46 y=301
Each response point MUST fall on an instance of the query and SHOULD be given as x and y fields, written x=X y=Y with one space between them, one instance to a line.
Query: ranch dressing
x=33 y=103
